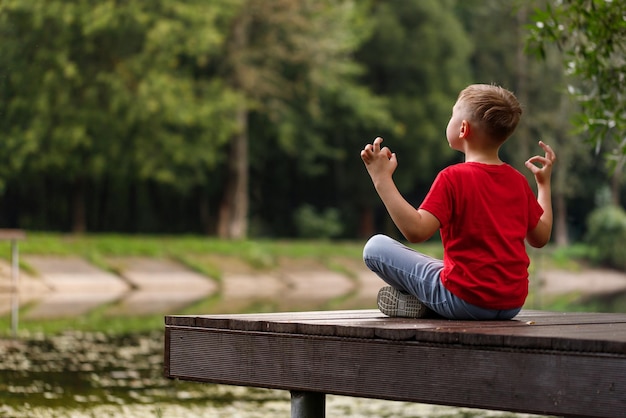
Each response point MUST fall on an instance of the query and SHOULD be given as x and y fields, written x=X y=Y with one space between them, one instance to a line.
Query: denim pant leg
x=405 y=269
x=412 y=272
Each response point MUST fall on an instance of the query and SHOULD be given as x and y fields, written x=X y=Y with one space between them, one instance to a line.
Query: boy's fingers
x=534 y=170
x=548 y=149
x=541 y=160
x=531 y=160
x=532 y=167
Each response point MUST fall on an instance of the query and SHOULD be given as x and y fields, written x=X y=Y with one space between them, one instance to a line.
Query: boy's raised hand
x=540 y=166
x=378 y=161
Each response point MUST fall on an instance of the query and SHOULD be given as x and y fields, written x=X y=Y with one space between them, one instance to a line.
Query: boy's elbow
x=540 y=236
x=423 y=229
x=415 y=237
x=538 y=240
x=410 y=237
x=537 y=244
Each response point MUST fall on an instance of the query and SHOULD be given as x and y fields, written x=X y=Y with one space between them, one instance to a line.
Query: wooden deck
x=567 y=364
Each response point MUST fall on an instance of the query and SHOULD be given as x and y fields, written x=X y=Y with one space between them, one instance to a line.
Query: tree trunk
x=79 y=219
x=233 y=212
x=232 y=221
x=366 y=223
x=204 y=212
x=561 y=236
x=616 y=181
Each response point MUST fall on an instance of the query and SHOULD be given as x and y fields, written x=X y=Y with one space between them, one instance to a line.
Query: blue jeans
x=417 y=274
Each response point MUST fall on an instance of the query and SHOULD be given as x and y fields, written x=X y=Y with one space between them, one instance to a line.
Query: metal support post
x=308 y=404
x=15 y=290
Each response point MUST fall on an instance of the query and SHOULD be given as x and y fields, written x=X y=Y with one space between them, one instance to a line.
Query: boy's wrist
x=381 y=181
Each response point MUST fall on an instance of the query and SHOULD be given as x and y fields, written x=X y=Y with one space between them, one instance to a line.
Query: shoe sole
x=394 y=303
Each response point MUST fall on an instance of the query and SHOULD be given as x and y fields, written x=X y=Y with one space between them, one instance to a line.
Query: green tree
x=113 y=88
x=591 y=34
x=285 y=57
x=311 y=159
x=418 y=58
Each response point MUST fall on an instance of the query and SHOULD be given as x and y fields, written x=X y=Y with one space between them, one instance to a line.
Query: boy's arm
x=540 y=235
x=416 y=225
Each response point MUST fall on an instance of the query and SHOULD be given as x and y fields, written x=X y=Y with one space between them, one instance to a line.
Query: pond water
x=78 y=374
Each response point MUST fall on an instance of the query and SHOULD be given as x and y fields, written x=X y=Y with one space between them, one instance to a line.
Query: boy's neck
x=483 y=156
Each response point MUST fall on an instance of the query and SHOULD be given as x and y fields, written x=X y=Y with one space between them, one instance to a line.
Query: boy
x=484 y=209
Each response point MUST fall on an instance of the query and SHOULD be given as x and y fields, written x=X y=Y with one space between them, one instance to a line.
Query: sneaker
x=394 y=303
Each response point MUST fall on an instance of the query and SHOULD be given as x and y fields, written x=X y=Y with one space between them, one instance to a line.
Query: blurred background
x=246 y=118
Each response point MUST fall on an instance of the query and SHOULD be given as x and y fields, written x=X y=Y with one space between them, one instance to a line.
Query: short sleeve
x=440 y=199
x=534 y=209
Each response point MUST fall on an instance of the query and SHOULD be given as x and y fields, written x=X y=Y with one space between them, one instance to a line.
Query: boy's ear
x=465 y=129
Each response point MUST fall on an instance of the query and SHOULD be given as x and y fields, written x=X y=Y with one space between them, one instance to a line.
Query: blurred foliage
x=606 y=234
x=119 y=90
x=293 y=62
x=124 y=119
x=421 y=69
x=591 y=36
x=314 y=224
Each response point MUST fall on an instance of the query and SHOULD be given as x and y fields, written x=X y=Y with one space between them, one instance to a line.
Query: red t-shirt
x=485 y=212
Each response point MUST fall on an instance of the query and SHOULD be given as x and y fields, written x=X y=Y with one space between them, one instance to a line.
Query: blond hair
x=494 y=108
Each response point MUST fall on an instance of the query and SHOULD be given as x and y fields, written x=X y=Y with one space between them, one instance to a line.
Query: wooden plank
x=531 y=329
x=534 y=381
x=537 y=318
